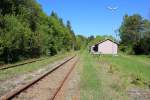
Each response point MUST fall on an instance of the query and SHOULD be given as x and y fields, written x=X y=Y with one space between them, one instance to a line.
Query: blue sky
x=91 y=17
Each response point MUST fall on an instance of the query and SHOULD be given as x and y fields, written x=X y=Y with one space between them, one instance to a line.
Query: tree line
x=27 y=32
x=135 y=35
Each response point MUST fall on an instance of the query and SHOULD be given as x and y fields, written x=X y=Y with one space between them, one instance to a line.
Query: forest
x=27 y=32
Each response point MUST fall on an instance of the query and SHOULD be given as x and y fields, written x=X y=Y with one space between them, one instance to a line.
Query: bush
x=14 y=38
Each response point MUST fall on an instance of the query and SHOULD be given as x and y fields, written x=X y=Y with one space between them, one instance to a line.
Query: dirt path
x=44 y=89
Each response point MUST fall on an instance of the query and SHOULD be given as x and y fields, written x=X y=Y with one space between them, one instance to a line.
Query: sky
x=92 y=17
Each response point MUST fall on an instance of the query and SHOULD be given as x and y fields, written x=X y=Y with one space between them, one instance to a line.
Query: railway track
x=17 y=65
x=51 y=82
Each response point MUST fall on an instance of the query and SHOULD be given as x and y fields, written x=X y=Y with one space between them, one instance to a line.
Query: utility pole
x=113 y=10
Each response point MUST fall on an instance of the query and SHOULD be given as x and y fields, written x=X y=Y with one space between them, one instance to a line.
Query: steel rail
x=17 y=65
x=63 y=82
x=10 y=95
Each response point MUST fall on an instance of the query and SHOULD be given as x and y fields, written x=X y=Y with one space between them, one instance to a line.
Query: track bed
x=48 y=86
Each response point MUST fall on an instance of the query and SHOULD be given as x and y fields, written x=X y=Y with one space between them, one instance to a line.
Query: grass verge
x=110 y=77
x=90 y=82
x=134 y=68
x=12 y=72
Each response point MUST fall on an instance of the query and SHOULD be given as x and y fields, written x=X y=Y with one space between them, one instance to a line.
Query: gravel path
x=139 y=94
x=7 y=85
x=44 y=89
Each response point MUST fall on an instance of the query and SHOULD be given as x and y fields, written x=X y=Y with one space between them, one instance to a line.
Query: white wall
x=107 y=47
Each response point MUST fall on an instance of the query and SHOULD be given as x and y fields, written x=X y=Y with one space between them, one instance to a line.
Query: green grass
x=12 y=72
x=27 y=60
x=23 y=61
x=135 y=67
x=140 y=58
x=90 y=82
x=109 y=77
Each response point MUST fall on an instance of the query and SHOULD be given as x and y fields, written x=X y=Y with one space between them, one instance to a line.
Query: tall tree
x=72 y=34
x=132 y=33
x=131 y=28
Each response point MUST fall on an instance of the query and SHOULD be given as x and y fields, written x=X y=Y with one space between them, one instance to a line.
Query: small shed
x=105 y=47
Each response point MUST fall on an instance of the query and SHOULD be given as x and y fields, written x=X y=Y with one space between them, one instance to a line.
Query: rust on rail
x=17 y=65
x=10 y=95
x=62 y=83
